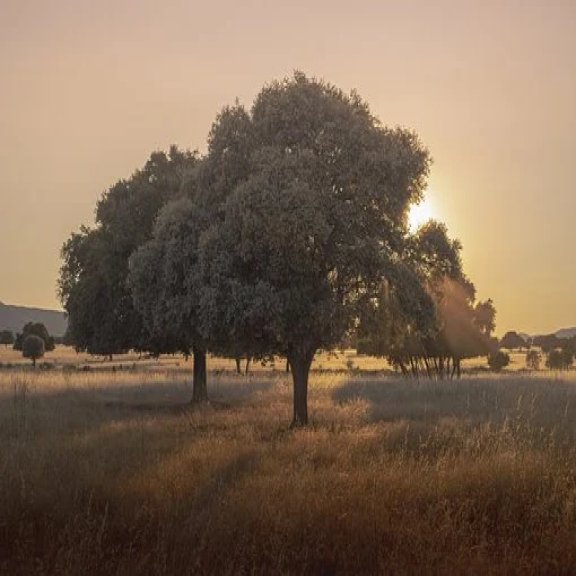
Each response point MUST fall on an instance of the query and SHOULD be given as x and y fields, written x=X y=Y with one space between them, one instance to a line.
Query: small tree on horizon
x=498 y=360
x=512 y=340
x=7 y=337
x=33 y=348
x=559 y=359
x=533 y=359
x=36 y=329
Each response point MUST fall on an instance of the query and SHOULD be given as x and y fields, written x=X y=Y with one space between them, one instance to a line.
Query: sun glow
x=421 y=213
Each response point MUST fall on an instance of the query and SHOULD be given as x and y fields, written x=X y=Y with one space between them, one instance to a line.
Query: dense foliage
x=93 y=283
x=35 y=329
x=33 y=348
x=498 y=360
x=512 y=340
x=431 y=339
x=6 y=337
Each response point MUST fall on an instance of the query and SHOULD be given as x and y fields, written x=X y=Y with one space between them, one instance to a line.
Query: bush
x=533 y=359
x=559 y=359
x=498 y=360
x=33 y=348
x=6 y=338
x=36 y=329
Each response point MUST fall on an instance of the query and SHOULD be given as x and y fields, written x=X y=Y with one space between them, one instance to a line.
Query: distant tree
x=533 y=359
x=547 y=342
x=409 y=337
x=36 y=329
x=7 y=337
x=498 y=360
x=33 y=348
x=512 y=341
x=485 y=315
x=559 y=359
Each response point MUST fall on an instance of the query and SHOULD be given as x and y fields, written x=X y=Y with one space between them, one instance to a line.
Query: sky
x=88 y=89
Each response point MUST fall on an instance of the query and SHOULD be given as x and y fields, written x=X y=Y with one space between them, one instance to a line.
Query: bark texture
x=300 y=362
x=199 y=384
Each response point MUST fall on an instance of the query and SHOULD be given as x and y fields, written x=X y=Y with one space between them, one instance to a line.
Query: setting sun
x=421 y=213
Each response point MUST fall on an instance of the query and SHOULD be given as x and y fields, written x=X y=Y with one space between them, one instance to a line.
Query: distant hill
x=15 y=317
x=566 y=332
x=563 y=333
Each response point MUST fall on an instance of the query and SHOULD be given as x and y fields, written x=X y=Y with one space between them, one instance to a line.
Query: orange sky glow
x=90 y=88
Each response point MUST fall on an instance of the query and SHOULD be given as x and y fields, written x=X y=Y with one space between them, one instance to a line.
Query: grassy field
x=112 y=472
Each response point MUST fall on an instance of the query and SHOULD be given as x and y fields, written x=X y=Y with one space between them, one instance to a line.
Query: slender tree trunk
x=199 y=387
x=300 y=363
x=238 y=366
x=248 y=360
x=455 y=368
x=428 y=369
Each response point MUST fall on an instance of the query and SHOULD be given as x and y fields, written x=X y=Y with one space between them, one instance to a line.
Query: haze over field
x=89 y=89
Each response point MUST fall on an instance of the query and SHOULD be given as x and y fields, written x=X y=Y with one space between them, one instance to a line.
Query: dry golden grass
x=106 y=472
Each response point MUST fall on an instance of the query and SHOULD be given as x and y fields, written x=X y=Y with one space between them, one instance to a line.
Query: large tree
x=316 y=224
x=93 y=283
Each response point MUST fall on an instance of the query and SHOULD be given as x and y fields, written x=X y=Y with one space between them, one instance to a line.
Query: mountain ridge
x=14 y=318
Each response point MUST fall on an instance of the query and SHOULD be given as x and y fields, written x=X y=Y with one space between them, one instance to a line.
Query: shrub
x=559 y=359
x=533 y=359
x=36 y=329
x=6 y=337
x=498 y=360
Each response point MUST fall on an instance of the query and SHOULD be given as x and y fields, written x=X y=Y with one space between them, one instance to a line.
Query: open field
x=106 y=472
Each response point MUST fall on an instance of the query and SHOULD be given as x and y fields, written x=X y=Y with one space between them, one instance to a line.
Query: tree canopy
x=7 y=337
x=512 y=340
x=36 y=329
x=93 y=283
x=33 y=347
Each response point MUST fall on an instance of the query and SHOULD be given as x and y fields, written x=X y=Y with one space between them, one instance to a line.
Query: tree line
x=289 y=235
x=560 y=352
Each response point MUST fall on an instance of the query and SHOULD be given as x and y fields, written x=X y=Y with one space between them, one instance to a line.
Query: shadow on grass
x=543 y=401
x=28 y=410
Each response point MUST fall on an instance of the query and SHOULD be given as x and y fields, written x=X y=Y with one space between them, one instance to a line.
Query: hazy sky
x=89 y=88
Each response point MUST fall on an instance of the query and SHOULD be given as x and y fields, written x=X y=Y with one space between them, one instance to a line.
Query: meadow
x=112 y=471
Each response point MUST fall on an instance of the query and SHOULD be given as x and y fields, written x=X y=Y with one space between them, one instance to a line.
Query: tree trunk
x=238 y=366
x=199 y=387
x=248 y=360
x=300 y=362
